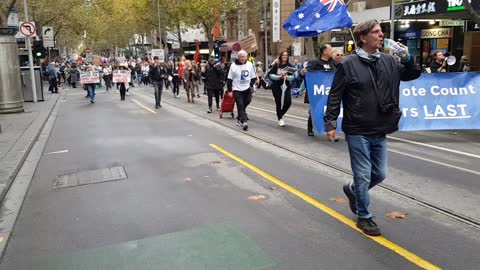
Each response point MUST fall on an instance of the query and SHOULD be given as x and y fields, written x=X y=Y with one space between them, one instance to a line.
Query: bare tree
x=475 y=15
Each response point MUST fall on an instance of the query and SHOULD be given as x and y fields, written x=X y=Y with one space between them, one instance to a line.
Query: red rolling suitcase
x=228 y=104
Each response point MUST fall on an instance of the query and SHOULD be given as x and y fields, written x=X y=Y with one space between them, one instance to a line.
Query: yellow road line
x=143 y=106
x=350 y=223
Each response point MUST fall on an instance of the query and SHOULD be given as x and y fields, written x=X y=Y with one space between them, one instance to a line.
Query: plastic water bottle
x=395 y=48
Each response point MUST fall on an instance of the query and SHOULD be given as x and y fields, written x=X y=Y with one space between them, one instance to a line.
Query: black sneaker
x=310 y=133
x=209 y=110
x=245 y=126
x=351 y=198
x=368 y=226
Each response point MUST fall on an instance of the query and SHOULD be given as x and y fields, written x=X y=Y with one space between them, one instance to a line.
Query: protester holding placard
x=90 y=78
x=122 y=76
x=324 y=63
x=368 y=82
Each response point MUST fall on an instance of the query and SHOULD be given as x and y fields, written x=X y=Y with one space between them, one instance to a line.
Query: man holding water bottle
x=368 y=83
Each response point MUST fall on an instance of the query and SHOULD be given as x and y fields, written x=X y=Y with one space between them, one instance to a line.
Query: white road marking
x=395 y=151
x=436 y=147
x=57 y=152
x=288 y=115
x=435 y=162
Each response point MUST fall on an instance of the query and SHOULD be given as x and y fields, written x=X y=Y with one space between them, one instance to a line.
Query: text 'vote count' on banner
x=437 y=101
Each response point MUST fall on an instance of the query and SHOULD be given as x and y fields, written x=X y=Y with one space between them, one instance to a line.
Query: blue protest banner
x=437 y=101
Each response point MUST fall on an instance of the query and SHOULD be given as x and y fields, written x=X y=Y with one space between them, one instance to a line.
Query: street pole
x=30 y=57
x=392 y=21
x=265 y=29
x=159 y=25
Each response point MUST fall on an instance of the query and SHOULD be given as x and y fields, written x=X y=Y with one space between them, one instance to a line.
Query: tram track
x=404 y=194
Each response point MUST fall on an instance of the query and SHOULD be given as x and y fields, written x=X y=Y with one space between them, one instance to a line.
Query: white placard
x=121 y=76
x=87 y=77
x=160 y=53
x=276 y=24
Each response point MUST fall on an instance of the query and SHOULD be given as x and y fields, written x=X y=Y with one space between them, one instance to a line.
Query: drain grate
x=89 y=177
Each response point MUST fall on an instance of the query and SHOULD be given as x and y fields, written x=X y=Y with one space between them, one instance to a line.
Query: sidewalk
x=19 y=133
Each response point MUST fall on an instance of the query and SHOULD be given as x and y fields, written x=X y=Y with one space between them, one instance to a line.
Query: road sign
x=48 y=37
x=47 y=32
x=48 y=43
x=13 y=18
x=28 y=29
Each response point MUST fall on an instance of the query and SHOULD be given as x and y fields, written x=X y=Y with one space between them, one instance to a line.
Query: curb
x=18 y=153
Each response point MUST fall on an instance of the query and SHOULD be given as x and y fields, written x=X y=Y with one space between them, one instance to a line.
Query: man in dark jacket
x=214 y=81
x=324 y=63
x=157 y=74
x=368 y=83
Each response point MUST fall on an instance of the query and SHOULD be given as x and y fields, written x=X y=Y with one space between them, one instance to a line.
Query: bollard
x=11 y=96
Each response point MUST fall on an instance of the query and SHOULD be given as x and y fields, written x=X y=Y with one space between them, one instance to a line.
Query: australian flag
x=318 y=16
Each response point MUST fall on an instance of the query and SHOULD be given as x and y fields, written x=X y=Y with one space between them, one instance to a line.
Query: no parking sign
x=28 y=29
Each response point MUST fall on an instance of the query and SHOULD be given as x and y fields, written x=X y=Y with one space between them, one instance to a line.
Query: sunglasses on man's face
x=339 y=54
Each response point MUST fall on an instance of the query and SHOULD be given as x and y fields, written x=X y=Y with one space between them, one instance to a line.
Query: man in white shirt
x=240 y=80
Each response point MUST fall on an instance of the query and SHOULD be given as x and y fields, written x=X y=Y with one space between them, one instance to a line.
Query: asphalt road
x=201 y=194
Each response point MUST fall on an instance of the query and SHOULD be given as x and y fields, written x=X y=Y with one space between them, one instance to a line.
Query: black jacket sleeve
x=229 y=84
x=410 y=70
x=335 y=98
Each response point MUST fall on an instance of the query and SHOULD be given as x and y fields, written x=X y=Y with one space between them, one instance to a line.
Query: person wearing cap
x=464 y=65
x=53 y=77
x=123 y=87
x=157 y=74
x=260 y=76
x=214 y=81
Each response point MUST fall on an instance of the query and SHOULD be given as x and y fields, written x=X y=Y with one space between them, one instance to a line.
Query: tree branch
x=468 y=7
x=5 y=12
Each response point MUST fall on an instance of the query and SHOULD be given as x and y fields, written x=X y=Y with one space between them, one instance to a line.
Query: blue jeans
x=368 y=158
x=91 y=91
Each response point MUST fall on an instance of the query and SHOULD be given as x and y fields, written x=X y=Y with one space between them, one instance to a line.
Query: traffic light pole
x=30 y=57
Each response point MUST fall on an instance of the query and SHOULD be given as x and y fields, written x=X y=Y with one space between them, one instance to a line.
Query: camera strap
x=375 y=87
